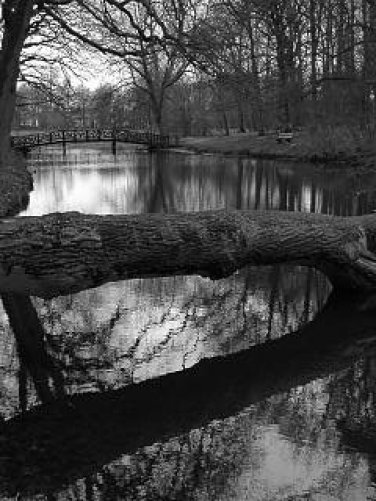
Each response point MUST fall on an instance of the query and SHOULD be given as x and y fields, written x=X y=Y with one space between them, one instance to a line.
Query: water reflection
x=94 y=181
x=131 y=331
x=148 y=409
x=216 y=430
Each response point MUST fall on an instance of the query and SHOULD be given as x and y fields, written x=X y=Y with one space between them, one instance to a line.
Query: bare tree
x=15 y=24
x=108 y=26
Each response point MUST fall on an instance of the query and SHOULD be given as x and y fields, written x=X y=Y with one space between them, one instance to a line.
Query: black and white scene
x=187 y=250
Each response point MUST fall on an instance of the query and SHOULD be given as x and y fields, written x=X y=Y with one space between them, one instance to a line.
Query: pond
x=260 y=386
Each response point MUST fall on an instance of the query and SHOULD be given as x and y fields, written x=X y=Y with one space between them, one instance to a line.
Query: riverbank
x=15 y=185
x=329 y=146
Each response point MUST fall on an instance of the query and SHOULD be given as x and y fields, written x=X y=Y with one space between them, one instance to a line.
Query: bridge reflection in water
x=151 y=139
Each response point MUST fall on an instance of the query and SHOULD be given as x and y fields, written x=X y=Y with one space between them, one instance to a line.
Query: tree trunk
x=225 y=123
x=328 y=57
x=256 y=86
x=281 y=28
x=31 y=347
x=314 y=48
x=284 y=108
x=340 y=33
x=64 y=253
x=370 y=46
x=351 y=35
x=16 y=24
x=157 y=108
x=240 y=103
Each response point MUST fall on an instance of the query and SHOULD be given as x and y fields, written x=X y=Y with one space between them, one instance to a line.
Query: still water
x=260 y=386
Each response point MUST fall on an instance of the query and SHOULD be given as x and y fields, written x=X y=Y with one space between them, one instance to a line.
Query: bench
x=284 y=136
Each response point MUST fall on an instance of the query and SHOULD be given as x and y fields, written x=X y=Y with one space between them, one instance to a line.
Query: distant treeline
x=218 y=66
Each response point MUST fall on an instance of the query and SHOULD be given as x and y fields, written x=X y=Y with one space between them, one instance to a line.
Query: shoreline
x=16 y=183
x=301 y=149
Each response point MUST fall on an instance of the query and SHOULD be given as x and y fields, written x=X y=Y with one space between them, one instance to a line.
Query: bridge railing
x=92 y=135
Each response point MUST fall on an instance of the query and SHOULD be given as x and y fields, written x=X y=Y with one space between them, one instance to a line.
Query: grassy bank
x=15 y=185
x=327 y=144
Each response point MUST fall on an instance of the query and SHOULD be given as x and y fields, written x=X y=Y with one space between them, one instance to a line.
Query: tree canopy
x=250 y=64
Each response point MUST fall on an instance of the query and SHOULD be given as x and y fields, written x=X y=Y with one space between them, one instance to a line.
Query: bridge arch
x=151 y=139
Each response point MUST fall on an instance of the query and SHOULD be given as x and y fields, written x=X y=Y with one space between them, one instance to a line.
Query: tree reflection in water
x=151 y=410
x=93 y=181
x=205 y=432
x=131 y=331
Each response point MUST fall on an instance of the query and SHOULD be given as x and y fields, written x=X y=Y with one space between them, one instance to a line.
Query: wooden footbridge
x=152 y=140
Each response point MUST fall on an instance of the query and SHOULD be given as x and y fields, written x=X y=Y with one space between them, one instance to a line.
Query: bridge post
x=114 y=141
x=87 y=135
x=64 y=143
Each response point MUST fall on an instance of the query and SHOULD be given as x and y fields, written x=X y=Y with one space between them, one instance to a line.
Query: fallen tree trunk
x=62 y=253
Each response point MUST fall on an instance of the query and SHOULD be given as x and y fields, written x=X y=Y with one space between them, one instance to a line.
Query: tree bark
x=314 y=48
x=256 y=85
x=16 y=25
x=64 y=253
